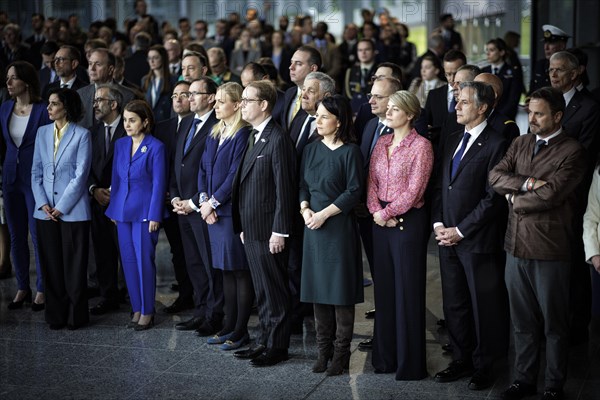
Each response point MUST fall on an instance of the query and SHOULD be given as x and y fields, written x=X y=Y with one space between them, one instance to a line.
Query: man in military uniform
x=555 y=40
x=358 y=77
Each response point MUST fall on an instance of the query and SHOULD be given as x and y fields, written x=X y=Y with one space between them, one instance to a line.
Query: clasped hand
x=447 y=236
x=313 y=220
x=51 y=213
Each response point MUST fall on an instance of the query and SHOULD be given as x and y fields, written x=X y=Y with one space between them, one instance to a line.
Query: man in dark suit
x=469 y=227
x=499 y=122
x=168 y=132
x=440 y=101
x=263 y=202
x=305 y=60
x=47 y=72
x=66 y=62
x=108 y=105
x=101 y=68
x=206 y=281
x=581 y=121
x=256 y=72
x=452 y=38
x=539 y=177
x=37 y=39
x=555 y=40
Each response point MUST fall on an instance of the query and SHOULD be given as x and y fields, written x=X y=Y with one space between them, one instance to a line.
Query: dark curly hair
x=71 y=101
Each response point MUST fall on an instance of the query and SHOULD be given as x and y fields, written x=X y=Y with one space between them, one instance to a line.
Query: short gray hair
x=569 y=58
x=482 y=94
x=114 y=94
x=326 y=83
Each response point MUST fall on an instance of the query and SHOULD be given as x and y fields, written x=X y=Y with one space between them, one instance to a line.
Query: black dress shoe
x=250 y=353
x=456 y=370
x=190 y=325
x=370 y=314
x=104 y=307
x=178 y=306
x=15 y=305
x=139 y=327
x=517 y=390
x=448 y=348
x=482 y=379
x=209 y=328
x=553 y=394
x=270 y=358
x=366 y=345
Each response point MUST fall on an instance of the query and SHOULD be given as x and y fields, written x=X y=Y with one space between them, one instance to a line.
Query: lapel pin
x=478 y=143
x=144 y=149
x=263 y=140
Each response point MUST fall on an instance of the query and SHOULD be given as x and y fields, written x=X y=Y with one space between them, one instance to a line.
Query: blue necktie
x=538 y=146
x=191 y=134
x=452 y=105
x=304 y=136
x=459 y=155
x=376 y=135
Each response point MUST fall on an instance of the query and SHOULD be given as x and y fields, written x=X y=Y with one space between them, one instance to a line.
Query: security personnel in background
x=357 y=83
x=555 y=40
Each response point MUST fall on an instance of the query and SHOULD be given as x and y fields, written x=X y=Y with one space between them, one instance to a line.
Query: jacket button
x=401 y=228
x=401 y=220
x=55 y=192
x=450 y=187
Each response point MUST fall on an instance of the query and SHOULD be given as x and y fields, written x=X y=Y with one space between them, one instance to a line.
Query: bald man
x=496 y=119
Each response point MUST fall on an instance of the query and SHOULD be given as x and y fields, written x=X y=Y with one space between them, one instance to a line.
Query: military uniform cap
x=554 y=34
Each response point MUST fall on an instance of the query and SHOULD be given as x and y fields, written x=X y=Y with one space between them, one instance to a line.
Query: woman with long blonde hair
x=222 y=155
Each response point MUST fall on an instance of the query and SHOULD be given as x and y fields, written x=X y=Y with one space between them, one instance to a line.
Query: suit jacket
x=166 y=131
x=353 y=87
x=237 y=60
x=87 y=94
x=16 y=171
x=219 y=166
x=77 y=84
x=139 y=182
x=279 y=105
x=512 y=87
x=539 y=76
x=436 y=110
x=367 y=138
x=61 y=181
x=296 y=130
x=582 y=122
x=288 y=101
x=102 y=164
x=265 y=184
x=136 y=67
x=45 y=76
x=503 y=124
x=540 y=223
x=184 y=183
x=332 y=59
x=467 y=201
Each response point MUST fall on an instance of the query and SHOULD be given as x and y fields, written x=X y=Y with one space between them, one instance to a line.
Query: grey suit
x=87 y=97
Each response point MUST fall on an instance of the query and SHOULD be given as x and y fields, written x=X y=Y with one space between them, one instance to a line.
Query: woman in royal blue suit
x=136 y=204
x=20 y=118
x=61 y=163
x=220 y=160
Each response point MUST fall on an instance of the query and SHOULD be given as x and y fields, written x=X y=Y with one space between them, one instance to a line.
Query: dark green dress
x=331 y=257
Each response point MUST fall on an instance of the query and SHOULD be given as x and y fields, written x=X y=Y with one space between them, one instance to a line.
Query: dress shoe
x=140 y=327
x=456 y=370
x=219 y=339
x=230 y=345
x=190 y=325
x=370 y=314
x=447 y=348
x=209 y=328
x=15 y=305
x=178 y=306
x=366 y=345
x=92 y=292
x=131 y=324
x=103 y=307
x=481 y=379
x=553 y=394
x=270 y=358
x=37 y=306
x=250 y=353
x=517 y=390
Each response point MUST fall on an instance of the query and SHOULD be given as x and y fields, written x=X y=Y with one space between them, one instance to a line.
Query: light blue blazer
x=139 y=183
x=61 y=182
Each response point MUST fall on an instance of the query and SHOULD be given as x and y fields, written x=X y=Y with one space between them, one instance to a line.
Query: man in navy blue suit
x=206 y=281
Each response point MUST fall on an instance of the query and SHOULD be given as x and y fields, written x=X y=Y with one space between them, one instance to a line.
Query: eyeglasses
x=559 y=71
x=99 y=99
x=375 y=77
x=246 y=101
x=183 y=95
x=61 y=59
x=198 y=93
x=377 y=97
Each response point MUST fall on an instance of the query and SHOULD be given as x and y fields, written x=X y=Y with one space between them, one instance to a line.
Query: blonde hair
x=407 y=102
x=221 y=131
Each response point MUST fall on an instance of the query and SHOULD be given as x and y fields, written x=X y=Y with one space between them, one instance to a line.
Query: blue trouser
x=138 y=247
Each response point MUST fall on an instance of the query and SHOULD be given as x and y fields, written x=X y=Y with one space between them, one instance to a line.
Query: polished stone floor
x=107 y=361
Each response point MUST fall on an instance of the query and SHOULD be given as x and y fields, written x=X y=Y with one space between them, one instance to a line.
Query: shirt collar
x=261 y=127
x=476 y=131
x=70 y=82
x=60 y=132
x=548 y=138
x=569 y=95
x=114 y=124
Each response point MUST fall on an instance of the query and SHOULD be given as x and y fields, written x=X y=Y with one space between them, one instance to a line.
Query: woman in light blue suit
x=222 y=155
x=20 y=119
x=137 y=199
x=61 y=164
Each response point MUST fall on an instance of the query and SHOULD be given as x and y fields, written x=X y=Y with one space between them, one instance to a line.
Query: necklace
x=22 y=110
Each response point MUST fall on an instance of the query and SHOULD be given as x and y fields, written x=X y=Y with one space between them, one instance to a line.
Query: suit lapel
x=142 y=149
x=473 y=150
x=256 y=150
x=119 y=133
x=571 y=109
x=64 y=142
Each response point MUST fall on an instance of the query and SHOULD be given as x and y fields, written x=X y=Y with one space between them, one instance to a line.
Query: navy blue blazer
x=218 y=167
x=512 y=87
x=18 y=160
x=367 y=138
x=139 y=183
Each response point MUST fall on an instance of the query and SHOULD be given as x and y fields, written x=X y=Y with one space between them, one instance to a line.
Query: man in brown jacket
x=538 y=176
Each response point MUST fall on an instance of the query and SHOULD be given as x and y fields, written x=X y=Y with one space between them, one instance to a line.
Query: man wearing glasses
x=66 y=62
x=108 y=105
x=263 y=202
x=207 y=282
x=168 y=132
